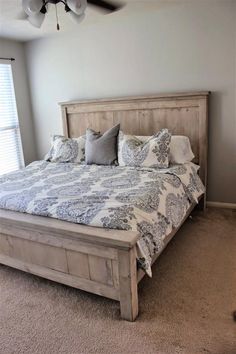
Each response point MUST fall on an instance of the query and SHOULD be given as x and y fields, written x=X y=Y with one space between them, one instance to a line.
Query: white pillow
x=180 y=149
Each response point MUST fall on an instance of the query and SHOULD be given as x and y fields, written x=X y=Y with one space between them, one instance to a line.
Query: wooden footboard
x=96 y=260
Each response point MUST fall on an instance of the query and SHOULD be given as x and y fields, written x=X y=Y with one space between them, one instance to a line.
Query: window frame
x=14 y=127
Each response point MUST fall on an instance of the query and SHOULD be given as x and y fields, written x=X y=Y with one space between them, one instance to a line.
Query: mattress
x=147 y=200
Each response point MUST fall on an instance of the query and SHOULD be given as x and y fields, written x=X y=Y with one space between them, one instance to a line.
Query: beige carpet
x=185 y=308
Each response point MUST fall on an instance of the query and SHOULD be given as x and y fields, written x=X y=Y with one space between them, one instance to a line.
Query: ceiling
x=13 y=28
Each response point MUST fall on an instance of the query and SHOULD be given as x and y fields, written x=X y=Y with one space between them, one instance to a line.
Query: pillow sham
x=66 y=149
x=180 y=149
x=101 y=149
x=154 y=152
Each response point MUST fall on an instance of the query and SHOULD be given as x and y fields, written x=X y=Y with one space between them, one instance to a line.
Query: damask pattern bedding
x=147 y=200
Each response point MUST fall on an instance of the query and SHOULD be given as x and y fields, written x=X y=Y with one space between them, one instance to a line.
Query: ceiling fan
x=35 y=10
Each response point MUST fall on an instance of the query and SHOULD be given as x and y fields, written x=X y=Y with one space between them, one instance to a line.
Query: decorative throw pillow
x=154 y=152
x=66 y=149
x=180 y=149
x=101 y=149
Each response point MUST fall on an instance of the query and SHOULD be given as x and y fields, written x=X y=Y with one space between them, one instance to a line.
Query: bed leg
x=202 y=204
x=128 y=284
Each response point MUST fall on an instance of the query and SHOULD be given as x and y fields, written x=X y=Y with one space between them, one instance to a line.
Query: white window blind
x=11 y=155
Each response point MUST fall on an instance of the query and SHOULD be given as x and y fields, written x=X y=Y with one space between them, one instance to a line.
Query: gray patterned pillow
x=66 y=149
x=153 y=152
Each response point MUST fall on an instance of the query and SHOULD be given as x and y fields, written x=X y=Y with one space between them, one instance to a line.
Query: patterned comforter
x=147 y=200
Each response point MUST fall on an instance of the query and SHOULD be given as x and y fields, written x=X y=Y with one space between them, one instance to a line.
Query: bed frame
x=98 y=260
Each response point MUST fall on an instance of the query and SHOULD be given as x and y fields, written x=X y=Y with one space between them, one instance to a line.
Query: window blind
x=11 y=155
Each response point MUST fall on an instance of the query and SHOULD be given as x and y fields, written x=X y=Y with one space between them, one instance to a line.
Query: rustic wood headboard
x=183 y=114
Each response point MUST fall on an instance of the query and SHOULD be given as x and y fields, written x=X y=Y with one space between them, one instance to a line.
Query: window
x=11 y=155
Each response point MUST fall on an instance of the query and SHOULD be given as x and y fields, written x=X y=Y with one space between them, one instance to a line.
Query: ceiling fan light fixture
x=32 y=7
x=36 y=20
x=77 y=6
x=76 y=18
x=35 y=10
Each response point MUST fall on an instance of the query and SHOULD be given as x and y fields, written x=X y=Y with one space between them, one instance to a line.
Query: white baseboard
x=221 y=205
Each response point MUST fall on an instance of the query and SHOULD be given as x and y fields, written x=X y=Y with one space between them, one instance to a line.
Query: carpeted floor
x=185 y=308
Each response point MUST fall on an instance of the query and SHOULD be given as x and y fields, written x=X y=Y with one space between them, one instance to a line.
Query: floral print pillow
x=67 y=149
x=154 y=152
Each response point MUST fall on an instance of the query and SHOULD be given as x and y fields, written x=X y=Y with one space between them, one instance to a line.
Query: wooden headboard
x=183 y=114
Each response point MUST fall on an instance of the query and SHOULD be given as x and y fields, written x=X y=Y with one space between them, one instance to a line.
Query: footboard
x=99 y=261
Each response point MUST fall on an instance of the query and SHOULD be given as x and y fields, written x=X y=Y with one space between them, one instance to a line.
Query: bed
x=99 y=259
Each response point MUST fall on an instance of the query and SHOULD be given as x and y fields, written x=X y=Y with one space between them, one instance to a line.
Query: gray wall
x=14 y=49
x=163 y=48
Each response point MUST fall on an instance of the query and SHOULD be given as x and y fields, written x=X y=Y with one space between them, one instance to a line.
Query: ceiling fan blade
x=105 y=5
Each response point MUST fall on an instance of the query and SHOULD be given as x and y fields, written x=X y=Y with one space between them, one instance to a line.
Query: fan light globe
x=21 y=15
x=77 y=6
x=76 y=18
x=32 y=7
x=36 y=20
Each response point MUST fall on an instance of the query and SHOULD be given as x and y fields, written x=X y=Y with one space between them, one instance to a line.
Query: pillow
x=66 y=149
x=101 y=149
x=154 y=152
x=180 y=149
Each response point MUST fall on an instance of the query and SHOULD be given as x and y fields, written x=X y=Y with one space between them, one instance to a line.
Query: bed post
x=203 y=104
x=202 y=204
x=128 y=284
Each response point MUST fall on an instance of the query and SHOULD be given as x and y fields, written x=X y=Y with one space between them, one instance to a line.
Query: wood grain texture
x=37 y=227
x=78 y=264
x=128 y=284
x=60 y=277
x=100 y=270
x=34 y=252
